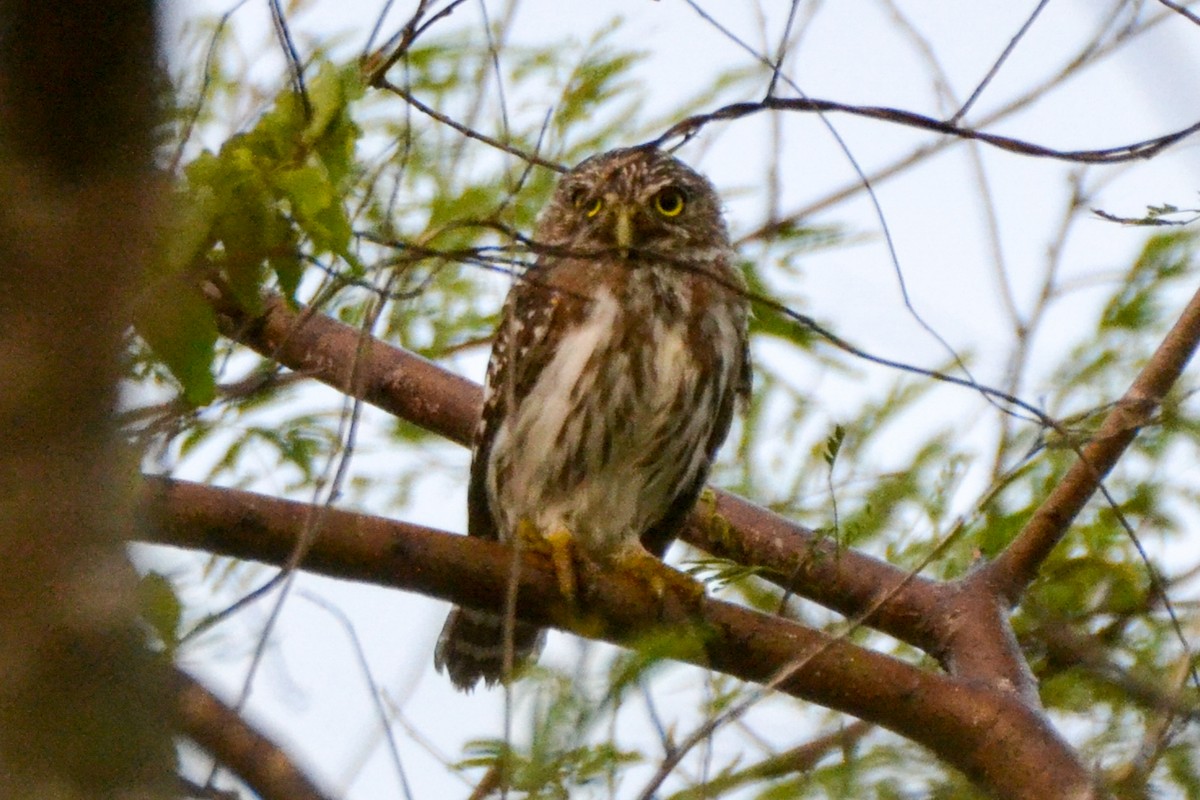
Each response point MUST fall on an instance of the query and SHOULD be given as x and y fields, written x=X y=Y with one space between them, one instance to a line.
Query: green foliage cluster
x=562 y=756
x=245 y=210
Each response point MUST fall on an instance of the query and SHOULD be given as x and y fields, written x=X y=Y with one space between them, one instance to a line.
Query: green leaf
x=307 y=188
x=833 y=445
x=178 y=324
x=1136 y=305
x=723 y=572
x=286 y=264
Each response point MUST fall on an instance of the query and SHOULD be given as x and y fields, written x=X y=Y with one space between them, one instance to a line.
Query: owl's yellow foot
x=562 y=555
x=663 y=580
x=559 y=546
x=528 y=536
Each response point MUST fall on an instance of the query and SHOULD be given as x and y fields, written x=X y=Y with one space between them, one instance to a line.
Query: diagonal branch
x=856 y=585
x=1015 y=568
x=226 y=736
x=993 y=737
x=797 y=760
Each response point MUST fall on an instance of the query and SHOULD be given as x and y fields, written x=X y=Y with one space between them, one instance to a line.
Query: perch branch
x=993 y=737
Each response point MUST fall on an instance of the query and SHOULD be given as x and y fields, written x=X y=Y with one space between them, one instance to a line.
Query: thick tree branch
x=978 y=641
x=1010 y=573
x=993 y=737
x=225 y=735
x=397 y=381
x=815 y=567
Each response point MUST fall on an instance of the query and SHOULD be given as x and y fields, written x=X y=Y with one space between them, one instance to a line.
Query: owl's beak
x=623 y=229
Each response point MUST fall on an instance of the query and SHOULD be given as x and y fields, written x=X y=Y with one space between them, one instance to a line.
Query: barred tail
x=472 y=647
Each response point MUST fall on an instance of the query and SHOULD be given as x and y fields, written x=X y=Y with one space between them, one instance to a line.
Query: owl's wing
x=530 y=323
x=476 y=644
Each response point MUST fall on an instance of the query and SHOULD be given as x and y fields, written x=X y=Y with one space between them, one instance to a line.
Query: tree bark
x=83 y=704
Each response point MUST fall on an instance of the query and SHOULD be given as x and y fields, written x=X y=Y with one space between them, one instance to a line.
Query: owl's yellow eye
x=669 y=202
x=593 y=207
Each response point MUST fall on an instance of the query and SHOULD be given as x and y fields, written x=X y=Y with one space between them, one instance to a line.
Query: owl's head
x=636 y=201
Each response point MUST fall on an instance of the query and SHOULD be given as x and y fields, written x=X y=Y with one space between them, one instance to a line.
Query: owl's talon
x=662 y=579
x=527 y=533
x=562 y=555
x=559 y=547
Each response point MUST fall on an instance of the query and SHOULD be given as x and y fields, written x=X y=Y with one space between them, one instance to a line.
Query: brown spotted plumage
x=613 y=379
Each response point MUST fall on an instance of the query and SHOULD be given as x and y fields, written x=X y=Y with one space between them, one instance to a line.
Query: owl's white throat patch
x=568 y=458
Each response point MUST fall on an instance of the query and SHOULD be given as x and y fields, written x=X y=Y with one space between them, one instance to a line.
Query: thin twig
x=206 y=82
x=987 y=79
x=795 y=760
x=295 y=65
x=377 y=65
x=372 y=686
x=411 y=99
x=1147 y=148
x=1087 y=56
x=1181 y=10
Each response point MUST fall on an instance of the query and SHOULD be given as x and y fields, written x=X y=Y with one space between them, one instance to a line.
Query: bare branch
x=225 y=735
x=991 y=74
x=1089 y=55
x=1181 y=10
x=295 y=66
x=816 y=567
x=1149 y=148
x=399 y=382
x=376 y=65
x=470 y=133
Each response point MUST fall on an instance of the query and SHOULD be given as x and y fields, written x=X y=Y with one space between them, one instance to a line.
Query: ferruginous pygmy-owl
x=613 y=378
